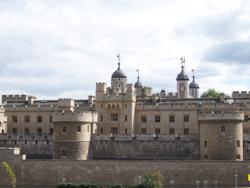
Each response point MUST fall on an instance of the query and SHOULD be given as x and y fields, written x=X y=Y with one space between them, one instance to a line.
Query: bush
x=79 y=186
x=87 y=185
x=114 y=186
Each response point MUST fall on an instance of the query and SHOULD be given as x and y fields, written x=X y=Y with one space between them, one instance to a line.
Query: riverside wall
x=184 y=174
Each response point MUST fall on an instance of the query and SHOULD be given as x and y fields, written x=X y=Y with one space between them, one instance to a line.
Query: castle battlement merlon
x=241 y=94
x=12 y=98
x=223 y=116
x=86 y=117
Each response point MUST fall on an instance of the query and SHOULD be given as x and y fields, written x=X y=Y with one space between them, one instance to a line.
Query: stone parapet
x=86 y=117
x=223 y=116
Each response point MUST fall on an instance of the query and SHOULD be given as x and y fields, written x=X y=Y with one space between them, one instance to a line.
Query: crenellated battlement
x=66 y=103
x=221 y=116
x=86 y=117
x=241 y=94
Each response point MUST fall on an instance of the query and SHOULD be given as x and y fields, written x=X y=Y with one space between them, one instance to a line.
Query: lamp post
x=236 y=181
x=139 y=180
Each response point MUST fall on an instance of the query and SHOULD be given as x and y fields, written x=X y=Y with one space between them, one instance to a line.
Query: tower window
x=238 y=156
x=171 y=118
x=223 y=129
x=14 y=130
x=114 y=117
x=39 y=131
x=238 y=143
x=157 y=118
x=114 y=130
x=186 y=118
x=50 y=119
x=143 y=131
x=205 y=143
x=157 y=131
x=186 y=130
x=26 y=130
x=26 y=119
x=205 y=156
x=51 y=131
x=143 y=119
x=126 y=117
x=39 y=119
x=64 y=129
x=171 y=130
x=126 y=131
x=78 y=129
x=64 y=152
x=14 y=119
x=101 y=130
x=101 y=118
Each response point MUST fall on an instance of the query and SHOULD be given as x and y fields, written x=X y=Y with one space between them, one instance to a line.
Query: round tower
x=138 y=86
x=193 y=88
x=118 y=79
x=221 y=135
x=72 y=134
x=182 y=82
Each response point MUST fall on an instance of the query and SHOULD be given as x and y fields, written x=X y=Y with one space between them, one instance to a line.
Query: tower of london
x=129 y=121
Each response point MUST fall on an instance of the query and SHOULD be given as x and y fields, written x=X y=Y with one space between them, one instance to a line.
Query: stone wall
x=184 y=173
x=49 y=173
x=145 y=147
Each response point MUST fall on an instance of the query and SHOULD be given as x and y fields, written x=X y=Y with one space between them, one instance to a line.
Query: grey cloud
x=230 y=52
x=218 y=26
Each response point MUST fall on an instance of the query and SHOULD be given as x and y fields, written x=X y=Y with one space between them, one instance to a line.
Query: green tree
x=212 y=93
x=10 y=172
x=154 y=180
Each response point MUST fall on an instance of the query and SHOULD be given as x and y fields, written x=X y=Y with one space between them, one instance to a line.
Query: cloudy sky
x=61 y=48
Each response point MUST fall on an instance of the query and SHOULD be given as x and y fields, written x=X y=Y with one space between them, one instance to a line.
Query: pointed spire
x=118 y=59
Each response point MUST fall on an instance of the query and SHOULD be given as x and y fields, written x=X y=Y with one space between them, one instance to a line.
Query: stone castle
x=128 y=121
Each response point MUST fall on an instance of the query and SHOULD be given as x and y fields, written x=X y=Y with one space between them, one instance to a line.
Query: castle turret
x=182 y=82
x=193 y=88
x=138 y=86
x=72 y=131
x=221 y=135
x=118 y=79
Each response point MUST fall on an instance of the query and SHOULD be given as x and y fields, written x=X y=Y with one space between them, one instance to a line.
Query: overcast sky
x=61 y=48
